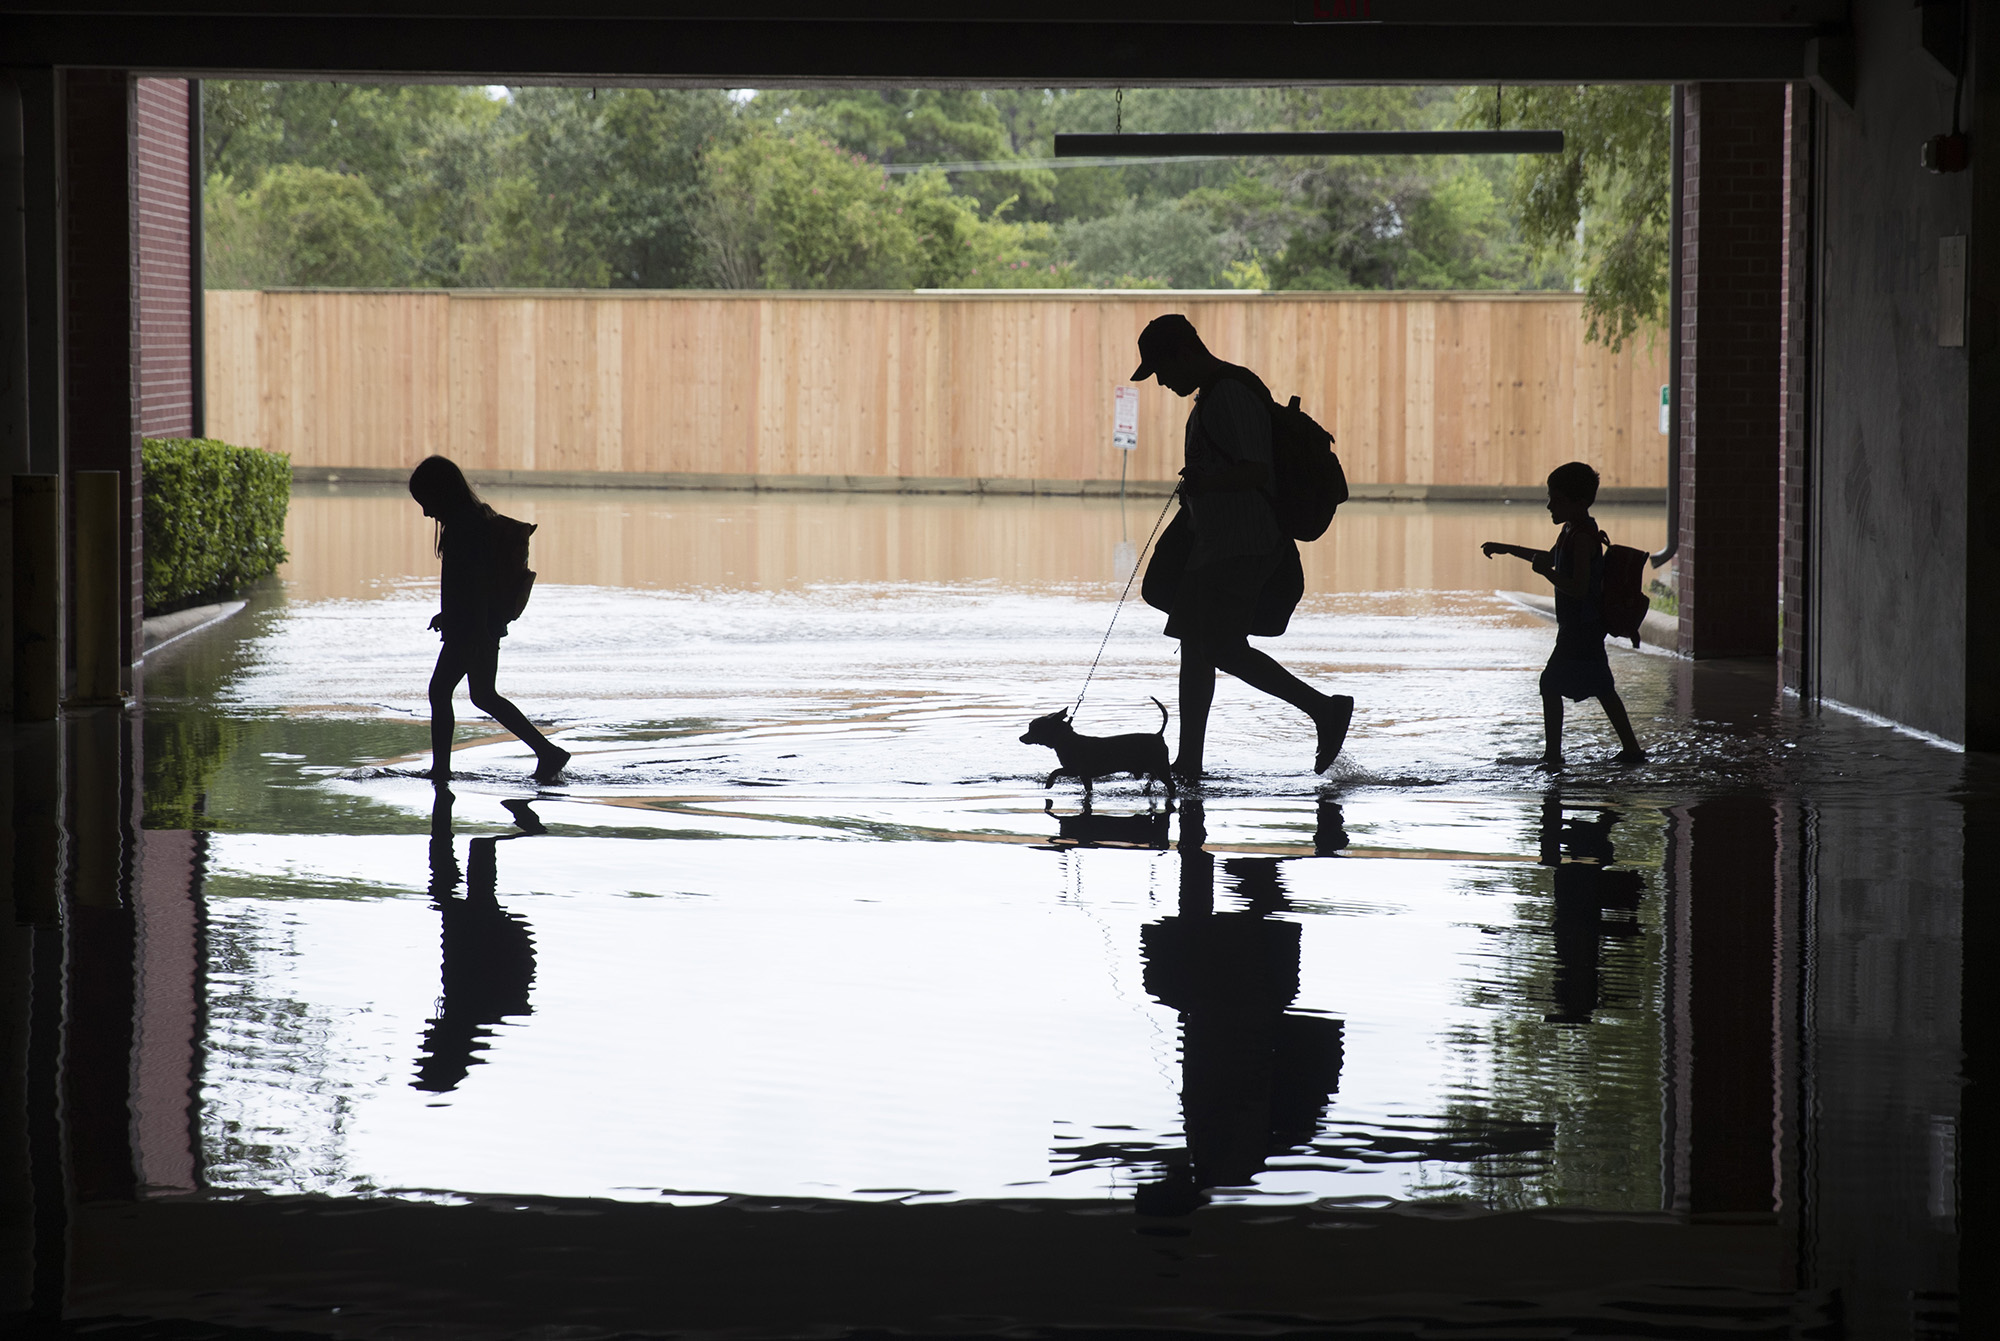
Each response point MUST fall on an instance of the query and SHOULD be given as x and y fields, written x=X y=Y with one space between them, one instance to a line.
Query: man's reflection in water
x=1255 y=1078
x=489 y=954
x=1580 y=851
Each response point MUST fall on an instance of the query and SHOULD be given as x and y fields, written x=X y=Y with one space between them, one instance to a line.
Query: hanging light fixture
x=1307 y=143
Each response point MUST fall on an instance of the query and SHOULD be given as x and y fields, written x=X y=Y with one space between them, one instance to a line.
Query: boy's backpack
x=1625 y=601
x=511 y=580
x=1308 y=483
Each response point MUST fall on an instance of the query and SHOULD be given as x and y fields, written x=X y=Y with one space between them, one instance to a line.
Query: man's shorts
x=1217 y=601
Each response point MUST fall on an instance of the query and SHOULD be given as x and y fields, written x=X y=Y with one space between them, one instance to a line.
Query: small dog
x=1087 y=758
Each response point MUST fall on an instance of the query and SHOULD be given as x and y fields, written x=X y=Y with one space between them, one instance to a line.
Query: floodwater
x=800 y=962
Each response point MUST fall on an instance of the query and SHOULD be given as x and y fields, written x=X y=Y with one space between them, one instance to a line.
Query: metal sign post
x=1124 y=429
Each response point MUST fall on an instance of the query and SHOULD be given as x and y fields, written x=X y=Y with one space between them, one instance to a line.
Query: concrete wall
x=1892 y=471
x=1882 y=1194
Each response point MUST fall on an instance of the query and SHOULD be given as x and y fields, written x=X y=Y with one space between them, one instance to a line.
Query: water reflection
x=817 y=976
x=352 y=542
x=489 y=954
x=1585 y=890
x=1256 y=1077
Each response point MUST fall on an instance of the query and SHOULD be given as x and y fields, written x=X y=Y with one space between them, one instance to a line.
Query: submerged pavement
x=799 y=1007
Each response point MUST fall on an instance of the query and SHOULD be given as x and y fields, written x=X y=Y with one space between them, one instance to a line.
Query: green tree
x=964 y=249
x=1603 y=200
x=300 y=226
x=916 y=126
x=798 y=212
x=425 y=152
x=596 y=189
x=1160 y=245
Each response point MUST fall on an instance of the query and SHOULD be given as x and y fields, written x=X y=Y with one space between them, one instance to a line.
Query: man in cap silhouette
x=1239 y=548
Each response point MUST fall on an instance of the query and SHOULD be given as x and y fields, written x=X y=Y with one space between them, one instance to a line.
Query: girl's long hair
x=439 y=484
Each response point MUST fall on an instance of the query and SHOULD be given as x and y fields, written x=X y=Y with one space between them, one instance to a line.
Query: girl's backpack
x=1625 y=599
x=512 y=581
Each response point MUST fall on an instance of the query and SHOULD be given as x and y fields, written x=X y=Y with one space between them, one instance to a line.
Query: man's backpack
x=1624 y=601
x=511 y=580
x=1308 y=483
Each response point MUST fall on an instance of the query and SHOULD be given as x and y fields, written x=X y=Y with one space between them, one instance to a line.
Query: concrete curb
x=1658 y=630
x=163 y=629
x=914 y=484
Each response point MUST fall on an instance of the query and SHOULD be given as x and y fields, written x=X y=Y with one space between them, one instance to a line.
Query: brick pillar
x=1722 y=865
x=100 y=318
x=163 y=238
x=1795 y=479
x=1732 y=330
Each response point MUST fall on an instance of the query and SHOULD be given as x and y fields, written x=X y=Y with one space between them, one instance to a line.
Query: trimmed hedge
x=215 y=518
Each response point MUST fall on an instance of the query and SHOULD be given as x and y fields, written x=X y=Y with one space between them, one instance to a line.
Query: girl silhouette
x=470 y=621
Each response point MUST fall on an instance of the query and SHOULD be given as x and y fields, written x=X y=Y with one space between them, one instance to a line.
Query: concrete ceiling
x=1025 y=42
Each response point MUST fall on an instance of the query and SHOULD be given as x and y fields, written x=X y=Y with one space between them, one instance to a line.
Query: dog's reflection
x=489 y=953
x=1154 y=828
x=1585 y=890
x=1150 y=828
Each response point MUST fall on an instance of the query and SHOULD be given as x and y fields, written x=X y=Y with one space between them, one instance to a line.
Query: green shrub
x=183 y=750
x=215 y=518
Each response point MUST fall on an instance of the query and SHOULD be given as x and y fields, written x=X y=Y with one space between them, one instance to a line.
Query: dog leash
x=1130 y=579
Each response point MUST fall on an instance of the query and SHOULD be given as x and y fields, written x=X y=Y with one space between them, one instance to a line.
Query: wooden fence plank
x=1463 y=388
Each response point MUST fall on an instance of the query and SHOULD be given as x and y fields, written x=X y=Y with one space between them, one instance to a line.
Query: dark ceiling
x=905 y=41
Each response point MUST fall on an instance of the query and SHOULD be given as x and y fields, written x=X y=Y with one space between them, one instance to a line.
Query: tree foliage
x=1602 y=204
x=534 y=187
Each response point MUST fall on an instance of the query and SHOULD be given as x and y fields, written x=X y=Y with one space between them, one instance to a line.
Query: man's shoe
x=1333 y=731
x=552 y=764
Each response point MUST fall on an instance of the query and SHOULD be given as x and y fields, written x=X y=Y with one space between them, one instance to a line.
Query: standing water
x=801 y=937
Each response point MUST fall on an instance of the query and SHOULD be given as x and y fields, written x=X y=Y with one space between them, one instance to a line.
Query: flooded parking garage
x=800 y=1007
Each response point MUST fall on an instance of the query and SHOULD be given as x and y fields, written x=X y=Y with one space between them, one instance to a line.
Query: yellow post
x=37 y=649
x=99 y=593
x=95 y=813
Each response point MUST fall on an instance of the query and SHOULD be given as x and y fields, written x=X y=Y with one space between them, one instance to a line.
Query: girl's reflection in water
x=489 y=953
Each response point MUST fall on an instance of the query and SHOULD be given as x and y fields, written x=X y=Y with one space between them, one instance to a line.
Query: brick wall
x=1794 y=481
x=1731 y=341
x=100 y=318
x=162 y=240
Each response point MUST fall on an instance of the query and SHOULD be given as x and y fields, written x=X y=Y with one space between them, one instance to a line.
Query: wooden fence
x=1458 y=389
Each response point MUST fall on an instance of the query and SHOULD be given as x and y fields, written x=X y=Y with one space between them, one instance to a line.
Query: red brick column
x=127 y=292
x=163 y=239
x=100 y=316
x=1794 y=480
x=1723 y=901
x=1732 y=330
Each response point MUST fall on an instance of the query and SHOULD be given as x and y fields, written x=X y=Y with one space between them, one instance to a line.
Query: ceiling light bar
x=1074 y=161
x=1310 y=144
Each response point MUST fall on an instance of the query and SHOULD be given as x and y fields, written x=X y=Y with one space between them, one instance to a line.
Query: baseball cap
x=1163 y=337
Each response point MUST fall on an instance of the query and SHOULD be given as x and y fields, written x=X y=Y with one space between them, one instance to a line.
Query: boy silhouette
x=1578 y=669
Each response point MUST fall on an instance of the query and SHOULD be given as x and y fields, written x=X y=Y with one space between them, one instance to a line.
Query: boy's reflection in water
x=1256 y=1078
x=489 y=954
x=1580 y=853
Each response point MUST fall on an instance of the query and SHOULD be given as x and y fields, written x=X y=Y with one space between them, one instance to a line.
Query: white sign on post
x=1125 y=418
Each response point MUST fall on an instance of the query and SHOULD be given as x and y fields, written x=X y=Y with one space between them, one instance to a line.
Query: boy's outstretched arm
x=1538 y=560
